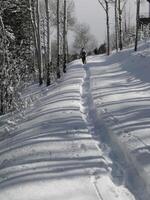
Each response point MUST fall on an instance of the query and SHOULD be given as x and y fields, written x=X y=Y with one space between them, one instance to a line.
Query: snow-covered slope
x=84 y=136
x=121 y=92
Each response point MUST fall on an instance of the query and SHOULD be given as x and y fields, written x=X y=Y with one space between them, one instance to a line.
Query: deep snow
x=120 y=88
x=86 y=137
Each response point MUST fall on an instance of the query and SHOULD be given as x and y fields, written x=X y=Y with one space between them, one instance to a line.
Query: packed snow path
x=61 y=149
x=53 y=153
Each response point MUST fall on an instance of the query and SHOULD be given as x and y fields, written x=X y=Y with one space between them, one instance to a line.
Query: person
x=83 y=55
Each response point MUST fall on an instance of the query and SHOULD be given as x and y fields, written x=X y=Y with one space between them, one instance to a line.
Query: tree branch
x=101 y=3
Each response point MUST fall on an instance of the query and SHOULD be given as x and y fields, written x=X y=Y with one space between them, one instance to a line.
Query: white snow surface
x=86 y=137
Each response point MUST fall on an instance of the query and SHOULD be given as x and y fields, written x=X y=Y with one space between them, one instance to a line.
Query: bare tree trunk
x=137 y=24
x=64 y=36
x=149 y=16
x=107 y=24
x=34 y=30
x=129 y=17
x=58 y=41
x=40 y=64
x=1 y=101
x=48 y=43
x=36 y=36
x=3 y=35
x=116 y=25
x=44 y=45
x=105 y=6
x=67 y=51
x=125 y=22
x=125 y=27
x=120 y=25
x=2 y=87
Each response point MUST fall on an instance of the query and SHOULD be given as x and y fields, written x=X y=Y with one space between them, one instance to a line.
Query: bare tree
x=83 y=38
x=121 y=6
x=64 y=36
x=137 y=24
x=40 y=63
x=34 y=28
x=69 y=18
x=120 y=24
x=3 y=59
x=116 y=24
x=58 y=41
x=105 y=6
x=48 y=52
x=43 y=20
x=35 y=21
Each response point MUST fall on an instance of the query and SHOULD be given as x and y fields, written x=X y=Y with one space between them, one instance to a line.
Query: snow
x=120 y=89
x=85 y=137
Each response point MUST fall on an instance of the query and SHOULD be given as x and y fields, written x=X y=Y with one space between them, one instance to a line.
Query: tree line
x=29 y=50
x=122 y=34
x=34 y=42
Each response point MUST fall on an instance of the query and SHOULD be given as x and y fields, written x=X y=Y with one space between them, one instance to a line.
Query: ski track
x=103 y=184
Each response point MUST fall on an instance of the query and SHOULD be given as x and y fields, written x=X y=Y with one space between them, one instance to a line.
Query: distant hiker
x=83 y=55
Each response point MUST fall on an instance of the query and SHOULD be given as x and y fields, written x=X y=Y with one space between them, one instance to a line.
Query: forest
x=34 y=44
x=74 y=101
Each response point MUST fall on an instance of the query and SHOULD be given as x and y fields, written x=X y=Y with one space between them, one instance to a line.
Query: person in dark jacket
x=83 y=55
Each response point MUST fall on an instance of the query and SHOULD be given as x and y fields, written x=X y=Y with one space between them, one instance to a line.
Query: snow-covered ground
x=86 y=137
x=120 y=87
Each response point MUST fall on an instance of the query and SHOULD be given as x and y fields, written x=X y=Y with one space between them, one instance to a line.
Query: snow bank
x=121 y=92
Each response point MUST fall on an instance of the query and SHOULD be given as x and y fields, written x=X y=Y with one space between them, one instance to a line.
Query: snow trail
x=52 y=150
x=60 y=148
x=103 y=184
